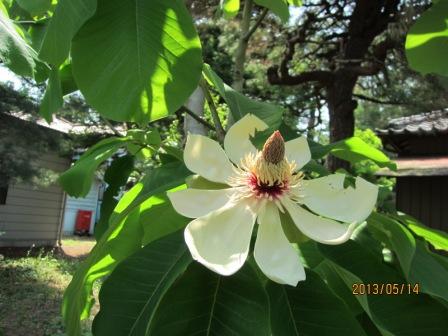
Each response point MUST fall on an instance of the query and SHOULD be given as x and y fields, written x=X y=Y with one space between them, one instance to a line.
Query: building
x=32 y=215
x=421 y=145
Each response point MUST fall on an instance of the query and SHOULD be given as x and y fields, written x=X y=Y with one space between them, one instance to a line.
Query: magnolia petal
x=322 y=230
x=237 y=141
x=298 y=150
x=206 y=157
x=273 y=253
x=194 y=203
x=220 y=240
x=327 y=197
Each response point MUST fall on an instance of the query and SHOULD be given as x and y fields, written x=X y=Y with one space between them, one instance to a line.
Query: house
x=32 y=215
x=420 y=143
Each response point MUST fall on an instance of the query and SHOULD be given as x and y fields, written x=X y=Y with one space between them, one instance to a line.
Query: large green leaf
x=78 y=179
x=417 y=263
x=117 y=243
x=137 y=60
x=241 y=105
x=278 y=7
x=68 y=83
x=427 y=41
x=68 y=17
x=311 y=308
x=122 y=238
x=396 y=237
x=353 y=149
x=15 y=53
x=52 y=100
x=437 y=238
x=204 y=303
x=35 y=7
x=116 y=176
x=405 y=314
x=162 y=211
x=130 y=297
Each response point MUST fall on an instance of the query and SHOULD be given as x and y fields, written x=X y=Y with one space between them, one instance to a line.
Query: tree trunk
x=240 y=54
x=341 y=106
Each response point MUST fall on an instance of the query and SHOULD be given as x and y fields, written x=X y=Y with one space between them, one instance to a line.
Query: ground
x=32 y=282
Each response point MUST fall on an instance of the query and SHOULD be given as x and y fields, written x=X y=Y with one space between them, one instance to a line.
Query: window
x=3 y=194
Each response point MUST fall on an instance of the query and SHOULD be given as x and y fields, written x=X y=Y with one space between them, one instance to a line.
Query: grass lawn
x=31 y=289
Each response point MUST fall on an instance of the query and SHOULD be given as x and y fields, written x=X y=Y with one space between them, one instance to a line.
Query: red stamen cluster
x=261 y=189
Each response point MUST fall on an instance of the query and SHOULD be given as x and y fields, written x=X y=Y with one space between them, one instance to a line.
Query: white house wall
x=73 y=204
x=32 y=215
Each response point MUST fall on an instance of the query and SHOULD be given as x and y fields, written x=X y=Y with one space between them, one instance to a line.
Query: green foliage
x=241 y=105
x=67 y=19
x=198 y=301
x=116 y=176
x=15 y=52
x=230 y=7
x=164 y=261
x=201 y=301
x=78 y=179
x=354 y=150
x=436 y=238
x=136 y=141
x=161 y=208
x=127 y=76
x=35 y=7
x=293 y=310
x=426 y=42
x=52 y=100
x=122 y=238
x=278 y=7
x=356 y=265
x=371 y=139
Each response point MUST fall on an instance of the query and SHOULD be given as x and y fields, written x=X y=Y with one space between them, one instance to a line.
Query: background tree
x=339 y=42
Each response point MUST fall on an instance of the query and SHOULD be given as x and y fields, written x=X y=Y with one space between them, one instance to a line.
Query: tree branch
x=113 y=129
x=197 y=118
x=321 y=76
x=256 y=25
x=220 y=133
x=378 y=101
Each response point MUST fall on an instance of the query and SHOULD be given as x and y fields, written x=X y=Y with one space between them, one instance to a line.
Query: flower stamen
x=267 y=174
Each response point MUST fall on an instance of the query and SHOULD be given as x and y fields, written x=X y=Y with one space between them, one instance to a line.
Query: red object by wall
x=83 y=220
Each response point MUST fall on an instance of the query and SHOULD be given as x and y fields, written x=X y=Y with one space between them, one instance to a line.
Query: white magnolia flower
x=260 y=184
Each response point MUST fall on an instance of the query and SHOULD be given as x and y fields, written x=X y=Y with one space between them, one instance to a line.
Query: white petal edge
x=220 y=240
x=194 y=203
x=322 y=230
x=273 y=253
x=326 y=196
x=206 y=157
x=237 y=141
x=298 y=150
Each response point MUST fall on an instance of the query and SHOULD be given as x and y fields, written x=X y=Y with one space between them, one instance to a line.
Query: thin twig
x=220 y=133
x=116 y=132
x=256 y=24
x=378 y=101
x=198 y=119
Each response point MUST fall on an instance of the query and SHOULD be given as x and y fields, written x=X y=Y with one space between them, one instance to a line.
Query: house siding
x=425 y=198
x=73 y=205
x=32 y=215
